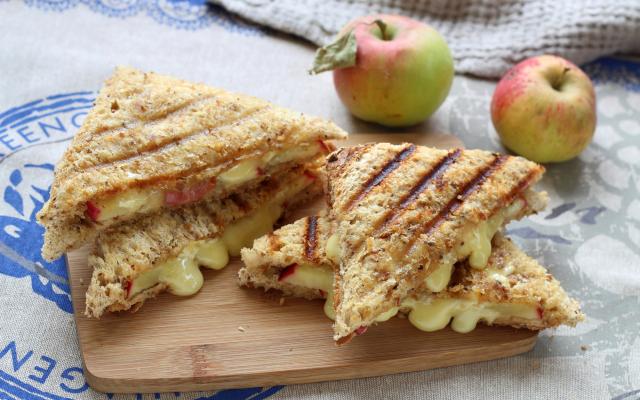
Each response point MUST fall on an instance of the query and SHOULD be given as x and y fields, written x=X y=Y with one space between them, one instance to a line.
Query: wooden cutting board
x=231 y=337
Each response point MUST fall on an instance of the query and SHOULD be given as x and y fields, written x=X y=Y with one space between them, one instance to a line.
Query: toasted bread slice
x=137 y=260
x=512 y=290
x=154 y=142
x=404 y=212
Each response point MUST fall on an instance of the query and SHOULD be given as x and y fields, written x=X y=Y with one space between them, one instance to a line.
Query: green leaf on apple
x=339 y=54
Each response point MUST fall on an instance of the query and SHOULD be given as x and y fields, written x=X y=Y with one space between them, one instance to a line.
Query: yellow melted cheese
x=333 y=249
x=247 y=170
x=476 y=246
x=309 y=276
x=128 y=202
x=429 y=315
x=182 y=274
x=439 y=279
x=463 y=314
x=139 y=200
x=320 y=277
x=315 y=277
x=242 y=172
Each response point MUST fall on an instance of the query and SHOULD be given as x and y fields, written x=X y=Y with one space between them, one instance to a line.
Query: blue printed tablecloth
x=54 y=56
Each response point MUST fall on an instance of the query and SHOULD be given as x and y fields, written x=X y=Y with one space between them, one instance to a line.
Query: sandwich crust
x=524 y=282
x=123 y=252
x=400 y=210
x=527 y=282
x=302 y=242
x=152 y=131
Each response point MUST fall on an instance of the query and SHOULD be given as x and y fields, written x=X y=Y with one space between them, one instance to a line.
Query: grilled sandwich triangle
x=153 y=142
x=137 y=260
x=513 y=290
x=405 y=214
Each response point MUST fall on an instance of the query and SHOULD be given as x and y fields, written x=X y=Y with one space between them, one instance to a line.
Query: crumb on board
x=584 y=347
x=536 y=364
x=281 y=301
x=241 y=328
x=81 y=281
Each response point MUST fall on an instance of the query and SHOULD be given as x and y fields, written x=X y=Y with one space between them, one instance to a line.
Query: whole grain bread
x=302 y=242
x=150 y=130
x=524 y=282
x=401 y=209
x=123 y=252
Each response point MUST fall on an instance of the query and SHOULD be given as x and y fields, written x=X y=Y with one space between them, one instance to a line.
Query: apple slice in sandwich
x=512 y=290
x=137 y=260
x=405 y=212
x=153 y=142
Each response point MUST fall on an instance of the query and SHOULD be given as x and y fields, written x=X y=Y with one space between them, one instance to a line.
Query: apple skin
x=544 y=109
x=396 y=82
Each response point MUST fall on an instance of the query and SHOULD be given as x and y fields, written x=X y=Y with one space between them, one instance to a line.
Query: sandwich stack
x=416 y=231
x=166 y=176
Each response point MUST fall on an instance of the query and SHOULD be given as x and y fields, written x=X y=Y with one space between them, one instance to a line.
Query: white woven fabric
x=486 y=37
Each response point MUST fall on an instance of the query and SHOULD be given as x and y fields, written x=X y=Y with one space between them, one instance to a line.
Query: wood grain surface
x=231 y=337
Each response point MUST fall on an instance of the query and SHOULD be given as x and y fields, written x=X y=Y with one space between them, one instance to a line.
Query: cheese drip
x=181 y=274
x=146 y=200
x=429 y=314
x=464 y=314
x=475 y=245
x=320 y=277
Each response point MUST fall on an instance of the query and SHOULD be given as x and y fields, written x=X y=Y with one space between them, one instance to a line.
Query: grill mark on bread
x=102 y=131
x=461 y=195
x=311 y=237
x=175 y=141
x=379 y=177
x=522 y=185
x=166 y=181
x=436 y=172
x=344 y=157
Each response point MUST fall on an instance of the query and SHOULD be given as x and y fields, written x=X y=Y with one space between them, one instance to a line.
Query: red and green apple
x=389 y=69
x=544 y=109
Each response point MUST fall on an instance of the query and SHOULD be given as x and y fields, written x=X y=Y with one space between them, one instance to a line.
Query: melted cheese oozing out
x=310 y=276
x=320 y=277
x=463 y=314
x=439 y=279
x=182 y=274
x=476 y=246
x=333 y=249
x=240 y=173
x=130 y=201
x=429 y=315
x=247 y=170
x=477 y=242
x=140 y=200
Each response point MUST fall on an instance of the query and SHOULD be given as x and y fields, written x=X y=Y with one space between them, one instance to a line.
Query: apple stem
x=383 y=28
x=557 y=84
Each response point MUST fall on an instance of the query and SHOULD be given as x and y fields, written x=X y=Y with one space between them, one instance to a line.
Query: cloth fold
x=486 y=37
